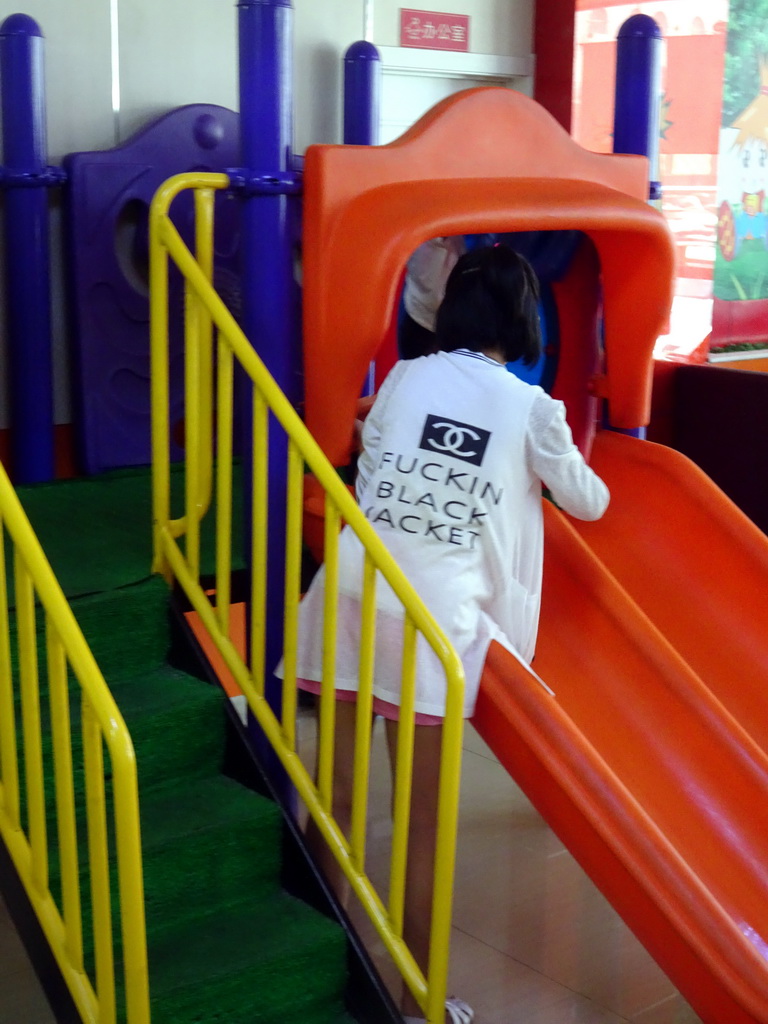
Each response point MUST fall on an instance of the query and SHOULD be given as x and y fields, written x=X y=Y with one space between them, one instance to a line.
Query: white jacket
x=455 y=450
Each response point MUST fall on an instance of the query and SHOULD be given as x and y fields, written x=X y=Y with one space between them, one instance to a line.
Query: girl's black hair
x=491 y=303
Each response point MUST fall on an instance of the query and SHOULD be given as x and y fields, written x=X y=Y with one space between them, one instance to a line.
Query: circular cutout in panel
x=132 y=244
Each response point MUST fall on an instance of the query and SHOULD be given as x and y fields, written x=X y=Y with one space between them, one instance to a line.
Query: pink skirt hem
x=380 y=707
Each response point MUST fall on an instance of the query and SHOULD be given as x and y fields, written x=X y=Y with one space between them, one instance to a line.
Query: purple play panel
x=108 y=212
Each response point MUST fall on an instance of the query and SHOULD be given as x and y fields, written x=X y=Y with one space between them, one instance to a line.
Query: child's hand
x=357 y=437
x=364 y=406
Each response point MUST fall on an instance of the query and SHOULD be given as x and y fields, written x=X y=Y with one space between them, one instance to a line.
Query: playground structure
x=670 y=821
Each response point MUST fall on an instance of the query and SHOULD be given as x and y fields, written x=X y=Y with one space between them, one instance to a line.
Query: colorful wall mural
x=740 y=312
x=713 y=150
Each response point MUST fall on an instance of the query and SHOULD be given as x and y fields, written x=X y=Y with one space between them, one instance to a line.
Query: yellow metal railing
x=204 y=313
x=43 y=751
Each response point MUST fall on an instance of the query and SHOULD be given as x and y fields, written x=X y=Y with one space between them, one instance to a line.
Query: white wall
x=172 y=52
x=77 y=71
x=185 y=51
x=322 y=33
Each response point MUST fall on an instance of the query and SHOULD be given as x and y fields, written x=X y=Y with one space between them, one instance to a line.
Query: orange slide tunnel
x=650 y=761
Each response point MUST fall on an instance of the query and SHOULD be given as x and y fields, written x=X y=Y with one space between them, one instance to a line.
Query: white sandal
x=458 y=1012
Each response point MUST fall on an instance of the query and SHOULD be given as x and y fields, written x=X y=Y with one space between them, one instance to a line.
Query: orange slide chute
x=650 y=761
x=694 y=563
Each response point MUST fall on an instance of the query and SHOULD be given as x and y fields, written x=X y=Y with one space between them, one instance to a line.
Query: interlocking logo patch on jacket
x=457 y=440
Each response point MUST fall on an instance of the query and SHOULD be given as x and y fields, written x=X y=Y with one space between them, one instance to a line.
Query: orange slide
x=650 y=762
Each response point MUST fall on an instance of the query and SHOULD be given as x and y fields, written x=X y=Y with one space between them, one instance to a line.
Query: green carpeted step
x=127 y=630
x=207 y=845
x=261 y=963
x=176 y=723
x=97 y=533
x=217 y=833
x=175 y=720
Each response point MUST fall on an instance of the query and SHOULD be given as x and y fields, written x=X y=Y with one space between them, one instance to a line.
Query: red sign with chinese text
x=432 y=31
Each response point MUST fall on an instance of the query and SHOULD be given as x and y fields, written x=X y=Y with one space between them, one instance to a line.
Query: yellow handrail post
x=294 y=495
x=65 y=794
x=364 y=716
x=98 y=857
x=159 y=389
x=224 y=417
x=9 y=765
x=403 y=778
x=204 y=198
x=445 y=861
x=326 y=752
x=193 y=509
x=31 y=725
x=130 y=881
x=259 y=537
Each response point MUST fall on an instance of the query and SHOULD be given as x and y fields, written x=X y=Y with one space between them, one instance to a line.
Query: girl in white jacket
x=454 y=453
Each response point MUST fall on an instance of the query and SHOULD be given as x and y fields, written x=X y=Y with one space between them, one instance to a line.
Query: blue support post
x=637 y=109
x=362 y=94
x=270 y=308
x=25 y=180
x=638 y=93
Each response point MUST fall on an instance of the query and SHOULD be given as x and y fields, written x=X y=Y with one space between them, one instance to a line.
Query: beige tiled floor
x=534 y=942
x=21 y=998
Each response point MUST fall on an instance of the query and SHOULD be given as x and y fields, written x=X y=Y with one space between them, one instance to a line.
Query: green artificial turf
x=97 y=531
x=225 y=943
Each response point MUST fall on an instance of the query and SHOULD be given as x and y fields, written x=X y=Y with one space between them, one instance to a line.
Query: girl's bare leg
x=421 y=845
x=342 y=800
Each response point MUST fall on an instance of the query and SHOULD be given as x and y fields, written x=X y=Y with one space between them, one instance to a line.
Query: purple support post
x=25 y=180
x=270 y=315
x=362 y=113
x=362 y=94
x=270 y=310
x=638 y=93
